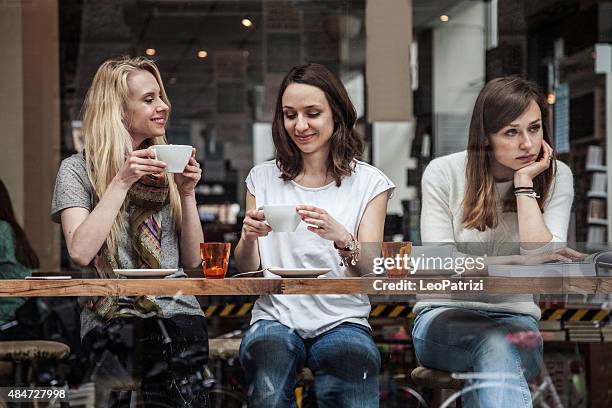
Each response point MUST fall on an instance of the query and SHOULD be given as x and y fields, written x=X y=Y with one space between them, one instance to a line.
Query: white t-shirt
x=311 y=315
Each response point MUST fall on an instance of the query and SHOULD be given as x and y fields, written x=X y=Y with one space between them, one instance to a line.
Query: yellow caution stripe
x=398 y=310
x=575 y=315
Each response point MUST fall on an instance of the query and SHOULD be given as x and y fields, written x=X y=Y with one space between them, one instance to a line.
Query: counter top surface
x=260 y=286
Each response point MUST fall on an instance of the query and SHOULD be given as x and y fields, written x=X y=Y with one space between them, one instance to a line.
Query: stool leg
x=18 y=376
x=440 y=395
x=436 y=398
x=134 y=399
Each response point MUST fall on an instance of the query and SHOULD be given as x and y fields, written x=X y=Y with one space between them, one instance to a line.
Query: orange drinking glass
x=393 y=250
x=215 y=257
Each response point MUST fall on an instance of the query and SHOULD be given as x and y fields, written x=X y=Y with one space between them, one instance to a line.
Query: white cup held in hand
x=282 y=218
x=176 y=157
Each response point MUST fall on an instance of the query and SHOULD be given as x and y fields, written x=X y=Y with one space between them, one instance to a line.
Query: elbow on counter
x=79 y=258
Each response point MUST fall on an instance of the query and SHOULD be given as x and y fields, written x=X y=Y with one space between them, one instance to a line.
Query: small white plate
x=299 y=272
x=144 y=273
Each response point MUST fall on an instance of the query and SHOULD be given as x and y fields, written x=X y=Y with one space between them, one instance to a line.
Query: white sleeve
x=380 y=183
x=436 y=215
x=557 y=210
x=250 y=182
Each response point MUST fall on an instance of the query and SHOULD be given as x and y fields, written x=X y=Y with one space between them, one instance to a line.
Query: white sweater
x=443 y=187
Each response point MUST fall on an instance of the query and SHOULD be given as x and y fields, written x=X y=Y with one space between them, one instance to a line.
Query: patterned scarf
x=147 y=197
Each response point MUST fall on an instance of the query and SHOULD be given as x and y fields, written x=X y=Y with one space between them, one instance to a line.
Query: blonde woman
x=119 y=209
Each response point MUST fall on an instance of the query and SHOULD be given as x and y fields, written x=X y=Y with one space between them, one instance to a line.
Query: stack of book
x=594 y=160
x=606 y=332
x=551 y=330
x=599 y=184
x=587 y=332
x=596 y=234
x=597 y=212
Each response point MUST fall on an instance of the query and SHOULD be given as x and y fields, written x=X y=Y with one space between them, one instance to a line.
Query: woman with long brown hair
x=119 y=209
x=343 y=201
x=507 y=198
x=17 y=258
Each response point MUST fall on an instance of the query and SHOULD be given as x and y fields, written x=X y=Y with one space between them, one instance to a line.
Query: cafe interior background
x=413 y=69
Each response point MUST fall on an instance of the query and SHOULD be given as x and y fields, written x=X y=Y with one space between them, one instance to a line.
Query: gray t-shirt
x=73 y=189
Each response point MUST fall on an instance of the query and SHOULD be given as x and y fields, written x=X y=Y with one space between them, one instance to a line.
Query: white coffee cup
x=176 y=157
x=282 y=218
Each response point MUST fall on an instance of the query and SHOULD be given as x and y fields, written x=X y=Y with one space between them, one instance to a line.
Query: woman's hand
x=524 y=177
x=325 y=226
x=138 y=164
x=254 y=226
x=559 y=255
x=187 y=181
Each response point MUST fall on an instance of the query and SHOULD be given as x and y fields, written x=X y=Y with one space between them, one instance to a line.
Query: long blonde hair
x=108 y=141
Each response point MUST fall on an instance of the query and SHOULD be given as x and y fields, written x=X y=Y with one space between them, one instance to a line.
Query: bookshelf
x=587 y=156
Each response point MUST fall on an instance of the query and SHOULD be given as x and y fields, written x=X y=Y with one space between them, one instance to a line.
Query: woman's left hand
x=325 y=225
x=531 y=171
x=187 y=180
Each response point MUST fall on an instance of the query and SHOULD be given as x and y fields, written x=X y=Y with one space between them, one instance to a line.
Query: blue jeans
x=464 y=340
x=344 y=361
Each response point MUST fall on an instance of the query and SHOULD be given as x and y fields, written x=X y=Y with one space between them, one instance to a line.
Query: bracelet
x=523 y=188
x=531 y=194
x=350 y=254
x=350 y=259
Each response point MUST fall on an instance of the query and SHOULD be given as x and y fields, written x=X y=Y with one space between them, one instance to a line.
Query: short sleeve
x=377 y=183
x=72 y=187
x=250 y=181
x=383 y=183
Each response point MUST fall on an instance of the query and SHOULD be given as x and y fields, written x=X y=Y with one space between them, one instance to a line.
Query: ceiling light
x=247 y=23
x=202 y=54
x=150 y=51
x=444 y=18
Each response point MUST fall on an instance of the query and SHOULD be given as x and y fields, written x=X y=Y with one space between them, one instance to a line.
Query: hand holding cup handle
x=191 y=173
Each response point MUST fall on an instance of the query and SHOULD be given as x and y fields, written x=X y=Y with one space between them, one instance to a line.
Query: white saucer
x=144 y=273
x=299 y=272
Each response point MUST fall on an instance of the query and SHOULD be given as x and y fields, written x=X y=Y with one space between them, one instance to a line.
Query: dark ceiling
x=95 y=30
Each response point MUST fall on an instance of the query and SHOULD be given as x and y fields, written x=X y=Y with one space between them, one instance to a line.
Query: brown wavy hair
x=346 y=143
x=501 y=101
x=24 y=253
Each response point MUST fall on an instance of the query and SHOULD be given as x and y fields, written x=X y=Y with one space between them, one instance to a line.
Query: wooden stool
x=27 y=353
x=225 y=349
x=440 y=382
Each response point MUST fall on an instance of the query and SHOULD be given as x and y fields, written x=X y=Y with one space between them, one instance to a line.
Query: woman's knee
x=350 y=350
x=272 y=343
x=498 y=352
